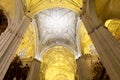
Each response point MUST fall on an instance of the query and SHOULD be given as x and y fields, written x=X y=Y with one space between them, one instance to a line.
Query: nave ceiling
x=107 y=11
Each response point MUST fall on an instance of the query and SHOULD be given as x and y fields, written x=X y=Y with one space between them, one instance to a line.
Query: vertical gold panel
x=85 y=41
x=26 y=49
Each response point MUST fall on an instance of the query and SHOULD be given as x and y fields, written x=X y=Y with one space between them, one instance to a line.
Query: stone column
x=8 y=54
x=83 y=69
x=34 y=70
x=105 y=43
x=10 y=39
x=13 y=27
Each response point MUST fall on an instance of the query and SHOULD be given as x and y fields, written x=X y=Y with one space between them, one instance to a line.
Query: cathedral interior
x=59 y=40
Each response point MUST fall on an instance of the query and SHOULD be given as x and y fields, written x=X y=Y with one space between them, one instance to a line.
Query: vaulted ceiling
x=105 y=9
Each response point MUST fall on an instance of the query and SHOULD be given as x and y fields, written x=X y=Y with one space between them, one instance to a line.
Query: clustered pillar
x=9 y=40
x=83 y=69
x=34 y=70
x=106 y=45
